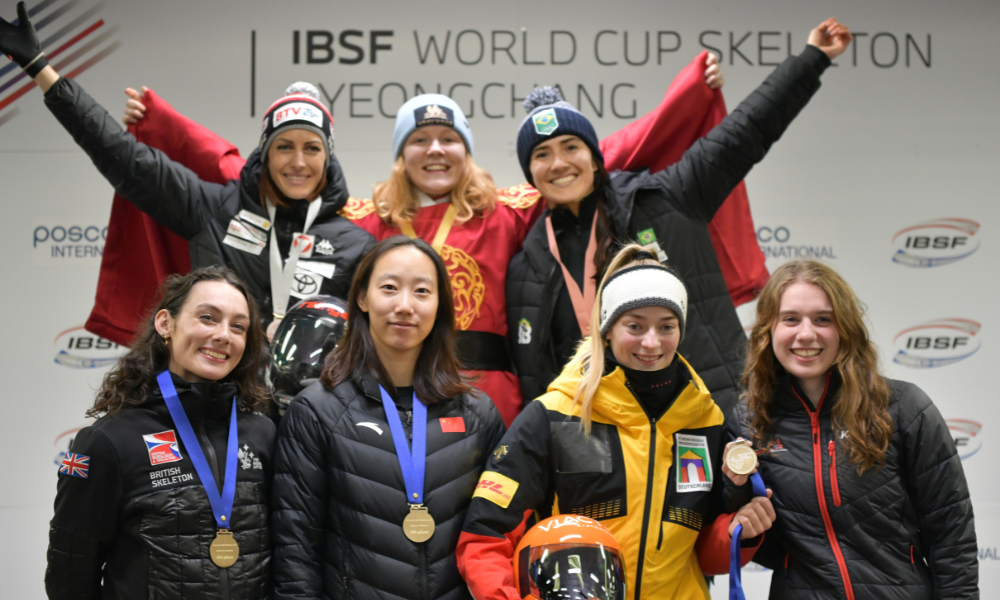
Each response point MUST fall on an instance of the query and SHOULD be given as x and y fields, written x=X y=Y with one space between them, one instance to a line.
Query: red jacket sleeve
x=485 y=563
x=689 y=110
x=713 y=547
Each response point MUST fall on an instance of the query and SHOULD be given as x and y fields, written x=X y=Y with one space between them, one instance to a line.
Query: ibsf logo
x=966 y=436
x=77 y=348
x=937 y=343
x=936 y=242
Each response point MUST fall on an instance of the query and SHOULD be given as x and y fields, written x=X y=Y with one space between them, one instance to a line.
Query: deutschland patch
x=693 y=464
x=496 y=488
x=434 y=115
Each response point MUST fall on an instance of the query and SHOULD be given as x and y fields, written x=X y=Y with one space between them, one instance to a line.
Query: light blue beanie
x=429 y=109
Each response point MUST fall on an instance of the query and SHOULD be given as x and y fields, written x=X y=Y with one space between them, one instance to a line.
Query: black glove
x=21 y=43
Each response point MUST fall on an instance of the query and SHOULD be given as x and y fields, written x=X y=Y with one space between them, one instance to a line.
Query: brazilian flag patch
x=647 y=236
x=545 y=121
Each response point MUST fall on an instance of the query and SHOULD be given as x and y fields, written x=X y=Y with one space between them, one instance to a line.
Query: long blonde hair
x=589 y=357
x=862 y=404
x=475 y=194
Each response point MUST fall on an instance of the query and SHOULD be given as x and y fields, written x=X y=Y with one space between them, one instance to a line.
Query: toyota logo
x=305 y=284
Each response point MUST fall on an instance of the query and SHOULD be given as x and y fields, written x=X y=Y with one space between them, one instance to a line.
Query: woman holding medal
x=375 y=465
x=166 y=494
x=628 y=435
x=869 y=490
x=281 y=208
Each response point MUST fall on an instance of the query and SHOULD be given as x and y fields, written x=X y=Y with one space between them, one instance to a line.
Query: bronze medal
x=418 y=526
x=224 y=550
x=741 y=459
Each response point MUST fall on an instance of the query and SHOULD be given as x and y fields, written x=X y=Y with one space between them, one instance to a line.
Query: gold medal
x=740 y=458
x=418 y=526
x=224 y=550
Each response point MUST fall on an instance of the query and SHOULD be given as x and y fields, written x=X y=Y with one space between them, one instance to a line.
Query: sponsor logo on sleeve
x=162 y=447
x=937 y=343
x=496 y=488
x=693 y=463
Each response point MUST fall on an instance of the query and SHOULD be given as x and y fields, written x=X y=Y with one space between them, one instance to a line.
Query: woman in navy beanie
x=550 y=284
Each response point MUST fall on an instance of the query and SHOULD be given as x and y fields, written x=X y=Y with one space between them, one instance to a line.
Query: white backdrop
x=901 y=143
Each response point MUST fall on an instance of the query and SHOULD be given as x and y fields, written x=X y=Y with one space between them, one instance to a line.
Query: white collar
x=426 y=200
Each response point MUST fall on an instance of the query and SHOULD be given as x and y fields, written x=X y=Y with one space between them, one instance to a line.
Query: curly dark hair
x=133 y=378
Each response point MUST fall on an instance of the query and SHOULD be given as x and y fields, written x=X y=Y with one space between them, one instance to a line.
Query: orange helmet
x=569 y=557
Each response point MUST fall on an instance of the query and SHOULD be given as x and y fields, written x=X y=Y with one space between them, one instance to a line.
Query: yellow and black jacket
x=654 y=491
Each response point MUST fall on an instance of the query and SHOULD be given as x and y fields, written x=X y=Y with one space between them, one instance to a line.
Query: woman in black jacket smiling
x=138 y=512
x=869 y=490
x=551 y=283
x=359 y=511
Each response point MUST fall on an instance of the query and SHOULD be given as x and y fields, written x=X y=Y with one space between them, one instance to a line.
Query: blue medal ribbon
x=412 y=464
x=735 y=578
x=222 y=506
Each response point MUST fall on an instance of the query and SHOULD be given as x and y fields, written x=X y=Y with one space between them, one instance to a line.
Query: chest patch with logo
x=693 y=463
x=248 y=460
x=162 y=447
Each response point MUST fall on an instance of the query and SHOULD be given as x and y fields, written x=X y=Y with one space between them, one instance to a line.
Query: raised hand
x=20 y=43
x=713 y=72
x=135 y=110
x=831 y=37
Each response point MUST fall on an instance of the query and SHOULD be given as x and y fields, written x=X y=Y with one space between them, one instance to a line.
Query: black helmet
x=305 y=336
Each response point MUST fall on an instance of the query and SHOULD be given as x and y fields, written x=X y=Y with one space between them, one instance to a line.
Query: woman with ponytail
x=868 y=487
x=628 y=435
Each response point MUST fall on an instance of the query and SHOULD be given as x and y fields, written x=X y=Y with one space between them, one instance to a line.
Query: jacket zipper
x=821 y=492
x=645 y=512
x=833 y=474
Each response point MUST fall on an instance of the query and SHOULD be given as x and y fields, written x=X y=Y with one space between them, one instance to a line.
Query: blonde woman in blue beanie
x=550 y=285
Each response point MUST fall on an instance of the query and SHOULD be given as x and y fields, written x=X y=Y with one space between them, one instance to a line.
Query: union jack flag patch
x=75 y=465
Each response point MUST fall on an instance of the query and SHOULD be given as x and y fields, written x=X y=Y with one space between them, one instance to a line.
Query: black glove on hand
x=21 y=44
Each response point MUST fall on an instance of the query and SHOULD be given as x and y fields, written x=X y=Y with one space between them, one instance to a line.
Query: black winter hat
x=548 y=116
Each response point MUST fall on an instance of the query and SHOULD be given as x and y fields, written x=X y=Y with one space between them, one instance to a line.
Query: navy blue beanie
x=550 y=116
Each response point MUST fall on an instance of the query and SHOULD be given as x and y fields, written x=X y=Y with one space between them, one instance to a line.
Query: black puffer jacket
x=202 y=212
x=339 y=499
x=145 y=528
x=676 y=205
x=905 y=531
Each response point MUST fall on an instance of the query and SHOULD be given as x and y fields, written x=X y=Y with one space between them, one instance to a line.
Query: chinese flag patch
x=452 y=425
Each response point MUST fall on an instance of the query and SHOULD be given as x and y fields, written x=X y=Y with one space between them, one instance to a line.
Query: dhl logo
x=492 y=486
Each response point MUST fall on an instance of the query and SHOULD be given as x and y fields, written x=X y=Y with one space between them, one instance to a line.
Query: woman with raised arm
x=165 y=495
x=375 y=465
x=628 y=435
x=438 y=193
x=276 y=225
x=868 y=487
x=550 y=286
